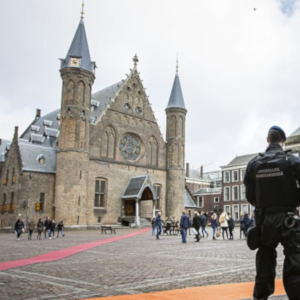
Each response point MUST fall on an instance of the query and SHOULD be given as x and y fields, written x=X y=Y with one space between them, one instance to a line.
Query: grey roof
x=296 y=132
x=3 y=149
x=241 y=160
x=176 y=97
x=204 y=191
x=52 y=131
x=79 y=48
x=104 y=97
x=207 y=176
x=31 y=153
x=136 y=187
x=188 y=201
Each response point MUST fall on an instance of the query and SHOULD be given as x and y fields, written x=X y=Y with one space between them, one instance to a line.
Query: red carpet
x=60 y=254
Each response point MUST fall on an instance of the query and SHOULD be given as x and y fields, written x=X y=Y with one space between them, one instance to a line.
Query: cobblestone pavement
x=139 y=264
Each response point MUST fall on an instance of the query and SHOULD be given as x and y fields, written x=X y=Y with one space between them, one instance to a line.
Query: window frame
x=238 y=211
x=237 y=189
x=245 y=205
x=237 y=175
x=242 y=174
x=100 y=192
x=227 y=210
x=226 y=172
x=226 y=188
x=243 y=193
x=216 y=198
x=157 y=186
x=200 y=198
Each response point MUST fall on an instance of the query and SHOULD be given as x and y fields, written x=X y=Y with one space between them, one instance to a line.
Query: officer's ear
x=268 y=140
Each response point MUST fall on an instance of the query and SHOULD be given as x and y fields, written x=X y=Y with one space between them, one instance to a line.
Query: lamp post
x=29 y=188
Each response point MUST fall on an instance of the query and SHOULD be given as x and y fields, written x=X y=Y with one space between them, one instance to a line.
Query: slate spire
x=79 y=55
x=176 y=97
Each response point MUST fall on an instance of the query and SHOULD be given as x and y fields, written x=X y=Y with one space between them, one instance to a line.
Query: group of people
x=47 y=227
x=224 y=223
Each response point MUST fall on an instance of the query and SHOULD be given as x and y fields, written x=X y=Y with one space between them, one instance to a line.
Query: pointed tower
x=175 y=135
x=77 y=73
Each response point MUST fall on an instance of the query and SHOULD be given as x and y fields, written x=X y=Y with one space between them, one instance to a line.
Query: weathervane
x=82 y=10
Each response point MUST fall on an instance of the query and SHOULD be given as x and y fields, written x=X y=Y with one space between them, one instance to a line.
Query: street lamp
x=29 y=188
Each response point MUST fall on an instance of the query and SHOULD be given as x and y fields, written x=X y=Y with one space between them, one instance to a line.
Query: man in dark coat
x=196 y=225
x=158 y=225
x=272 y=186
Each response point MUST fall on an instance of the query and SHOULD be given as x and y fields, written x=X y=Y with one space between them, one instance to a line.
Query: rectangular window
x=226 y=193
x=227 y=209
x=100 y=192
x=244 y=208
x=235 y=175
x=243 y=192
x=216 y=200
x=200 y=201
x=235 y=193
x=236 y=212
x=157 y=188
x=42 y=201
x=227 y=176
x=243 y=171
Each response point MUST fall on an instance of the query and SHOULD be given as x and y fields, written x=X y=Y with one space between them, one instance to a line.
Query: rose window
x=130 y=147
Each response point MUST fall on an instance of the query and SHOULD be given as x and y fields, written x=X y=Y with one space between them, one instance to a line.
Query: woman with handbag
x=214 y=224
x=224 y=223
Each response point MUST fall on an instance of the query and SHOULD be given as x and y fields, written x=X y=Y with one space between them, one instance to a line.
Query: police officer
x=272 y=187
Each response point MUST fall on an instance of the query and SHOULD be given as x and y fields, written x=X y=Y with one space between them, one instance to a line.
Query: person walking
x=247 y=223
x=53 y=226
x=223 y=220
x=47 y=228
x=60 y=228
x=196 y=225
x=242 y=224
x=39 y=228
x=184 y=225
x=153 y=226
x=31 y=226
x=203 y=221
x=158 y=224
x=19 y=228
x=272 y=187
x=214 y=224
x=230 y=226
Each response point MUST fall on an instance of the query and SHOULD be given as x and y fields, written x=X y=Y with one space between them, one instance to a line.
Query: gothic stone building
x=101 y=157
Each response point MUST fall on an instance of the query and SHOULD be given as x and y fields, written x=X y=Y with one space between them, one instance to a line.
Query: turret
x=77 y=73
x=175 y=135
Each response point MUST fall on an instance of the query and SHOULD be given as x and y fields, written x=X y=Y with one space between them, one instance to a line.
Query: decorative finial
x=82 y=10
x=135 y=60
x=177 y=64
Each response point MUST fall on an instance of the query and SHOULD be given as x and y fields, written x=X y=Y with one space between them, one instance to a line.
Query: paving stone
x=139 y=264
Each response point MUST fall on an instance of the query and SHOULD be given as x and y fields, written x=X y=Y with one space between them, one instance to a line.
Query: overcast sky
x=239 y=64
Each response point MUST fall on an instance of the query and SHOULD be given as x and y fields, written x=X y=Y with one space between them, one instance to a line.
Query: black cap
x=279 y=130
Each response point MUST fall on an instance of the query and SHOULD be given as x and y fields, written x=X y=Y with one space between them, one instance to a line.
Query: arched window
x=172 y=128
x=12 y=202
x=108 y=143
x=80 y=93
x=152 y=149
x=70 y=92
x=180 y=127
x=157 y=188
x=101 y=188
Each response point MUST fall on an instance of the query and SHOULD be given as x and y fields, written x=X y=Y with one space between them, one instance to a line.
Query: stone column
x=137 y=214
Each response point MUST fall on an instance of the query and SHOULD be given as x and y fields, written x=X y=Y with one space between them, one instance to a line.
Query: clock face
x=74 y=62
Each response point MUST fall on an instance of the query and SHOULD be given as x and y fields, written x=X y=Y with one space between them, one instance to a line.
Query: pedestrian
x=184 y=225
x=242 y=224
x=47 y=228
x=230 y=226
x=53 y=226
x=39 y=228
x=158 y=224
x=203 y=221
x=31 y=226
x=247 y=223
x=153 y=225
x=223 y=220
x=19 y=228
x=272 y=187
x=60 y=228
x=196 y=225
x=214 y=224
